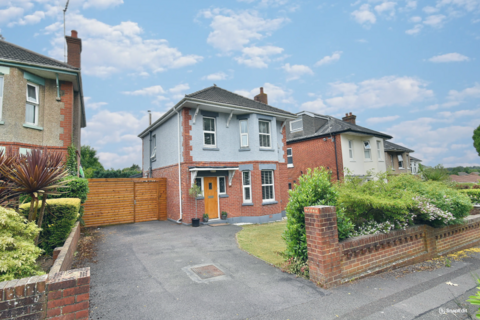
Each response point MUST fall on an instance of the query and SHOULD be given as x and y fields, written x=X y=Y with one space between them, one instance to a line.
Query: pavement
x=144 y=271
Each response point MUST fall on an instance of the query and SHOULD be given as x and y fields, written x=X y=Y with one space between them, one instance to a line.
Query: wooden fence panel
x=117 y=201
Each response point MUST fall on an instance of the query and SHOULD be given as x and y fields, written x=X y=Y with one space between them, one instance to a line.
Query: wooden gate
x=117 y=201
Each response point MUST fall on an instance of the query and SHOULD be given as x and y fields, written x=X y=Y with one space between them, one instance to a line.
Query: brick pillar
x=430 y=242
x=324 y=254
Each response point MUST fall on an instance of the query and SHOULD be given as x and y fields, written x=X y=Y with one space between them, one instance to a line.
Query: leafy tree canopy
x=476 y=139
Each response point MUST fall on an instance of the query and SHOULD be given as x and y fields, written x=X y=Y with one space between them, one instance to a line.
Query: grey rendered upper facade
x=219 y=121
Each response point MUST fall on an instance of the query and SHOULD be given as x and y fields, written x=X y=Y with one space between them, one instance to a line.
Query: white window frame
x=4 y=149
x=1 y=97
x=224 y=184
x=37 y=89
x=247 y=186
x=201 y=182
x=273 y=186
x=243 y=134
x=35 y=104
x=379 y=150
x=393 y=161
x=153 y=153
x=214 y=132
x=402 y=162
x=351 y=153
x=296 y=130
x=24 y=151
x=290 y=165
x=365 y=148
x=265 y=134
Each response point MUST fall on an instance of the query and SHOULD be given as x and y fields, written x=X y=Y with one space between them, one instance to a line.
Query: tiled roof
x=390 y=146
x=219 y=95
x=415 y=159
x=472 y=178
x=11 y=52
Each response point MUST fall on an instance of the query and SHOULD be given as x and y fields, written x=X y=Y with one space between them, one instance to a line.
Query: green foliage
x=18 y=252
x=72 y=160
x=313 y=188
x=73 y=188
x=345 y=225
x=456 y=170
x=476 y=139
x=112 y=173
x=90 y=161
x=437 y=173
x=296 y=266
x=60 y=217
x=473 y=194
x=475 y=299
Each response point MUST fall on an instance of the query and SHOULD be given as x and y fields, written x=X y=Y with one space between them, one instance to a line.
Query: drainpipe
x=336 y=158
x=150 y=174
x=179 y=169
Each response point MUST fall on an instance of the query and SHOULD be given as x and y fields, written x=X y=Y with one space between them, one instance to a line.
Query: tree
x=90 y=161
x=476 y=139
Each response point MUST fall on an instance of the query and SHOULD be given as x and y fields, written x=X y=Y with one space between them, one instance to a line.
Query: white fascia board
x=211 y=169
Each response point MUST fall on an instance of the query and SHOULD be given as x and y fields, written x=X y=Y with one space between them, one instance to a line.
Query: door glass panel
x=210 y=186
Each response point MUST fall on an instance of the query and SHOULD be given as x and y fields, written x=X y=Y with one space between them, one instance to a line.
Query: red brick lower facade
x=233 y=204
x=14 y=148
x=333 y=262
x=315 y=153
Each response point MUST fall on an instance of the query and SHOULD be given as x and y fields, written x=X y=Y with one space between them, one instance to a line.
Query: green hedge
x=74 y=188
x=59 y=219
x=18 y=252
x=473 y=194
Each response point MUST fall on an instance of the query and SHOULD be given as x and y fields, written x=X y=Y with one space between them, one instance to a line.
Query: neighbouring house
x=415 y=164
x=41 y=99
x=342 y=146
x=232 y=147
x=473 y=177
x=398 y=158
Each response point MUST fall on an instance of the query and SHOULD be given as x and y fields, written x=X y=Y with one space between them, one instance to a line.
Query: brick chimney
x=349 y=117
x=262 y=97
x=74 y=49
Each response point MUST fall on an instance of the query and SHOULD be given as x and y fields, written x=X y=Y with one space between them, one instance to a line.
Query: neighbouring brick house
x=41 y=99
x=315 y=140
x=399 y=159
x=233 y=147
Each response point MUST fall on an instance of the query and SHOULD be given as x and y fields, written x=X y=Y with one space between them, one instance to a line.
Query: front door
x=211 y=197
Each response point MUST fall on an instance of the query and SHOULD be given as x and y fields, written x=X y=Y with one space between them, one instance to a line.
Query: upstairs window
x=379 y=150
x=1 y=96
x=393 y=161
x=243 y=133
x=31 y=110
x=209 y=135
x=153 y=147
x=350 y=149
x=289 y=158
x=368 y=150
x=296 y=125
x=400 y=161
x=265 y=136
x=267 y=186
x=247 y=187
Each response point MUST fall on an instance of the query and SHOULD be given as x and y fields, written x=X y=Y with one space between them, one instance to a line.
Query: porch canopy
x=212 y=171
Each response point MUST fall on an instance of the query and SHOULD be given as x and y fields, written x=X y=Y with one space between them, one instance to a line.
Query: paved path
x=140 y=275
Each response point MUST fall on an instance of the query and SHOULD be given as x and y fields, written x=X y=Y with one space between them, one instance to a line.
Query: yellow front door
x=211 y=197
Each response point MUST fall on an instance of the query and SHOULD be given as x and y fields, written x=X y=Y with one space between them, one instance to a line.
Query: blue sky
x=407 y=68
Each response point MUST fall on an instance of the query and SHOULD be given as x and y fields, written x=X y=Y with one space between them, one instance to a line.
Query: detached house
x=315 y=140
x=41 y=99
x=399 y=159
x=232 y=147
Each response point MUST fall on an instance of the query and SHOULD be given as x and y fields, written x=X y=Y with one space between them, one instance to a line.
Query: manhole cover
x=207 y=272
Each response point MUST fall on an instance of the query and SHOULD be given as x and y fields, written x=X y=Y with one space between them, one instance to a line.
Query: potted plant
x=205 y=217
x=224 y=215
x=194 y=192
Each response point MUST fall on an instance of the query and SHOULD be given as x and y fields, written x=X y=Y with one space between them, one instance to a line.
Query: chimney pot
x=74 y=34
x=74 y=49
x=346 y=114
x=261 y=89
x=350 y=118
x=261 y=97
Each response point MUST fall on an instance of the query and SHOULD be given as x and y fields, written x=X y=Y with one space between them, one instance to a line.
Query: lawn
x=263 y=241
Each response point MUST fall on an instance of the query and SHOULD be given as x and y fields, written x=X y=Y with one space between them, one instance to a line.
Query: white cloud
x=459 y=113
x=93 y=105
x=411 y=5
x=434 y=20
x=416 y=29
x=416 y=19
x=10 y=14
x=459 y=146
x=109 y=49
x=234 y=30
x=376 y=120
x=275 y=94
x=258 y=57
x=317 y=106
x=329 y=59
x=216 y=76
x=430 y=9
x=117 y=131
x=150 y=91
x=469 y=5
x=387 y=7
x=361 y=40
x=363 y=15
x=449 y=57
x=296 y=71
x=101 y=4
x=459 y=96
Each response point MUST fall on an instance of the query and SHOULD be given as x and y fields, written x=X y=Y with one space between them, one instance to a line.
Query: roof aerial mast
x=64 y=34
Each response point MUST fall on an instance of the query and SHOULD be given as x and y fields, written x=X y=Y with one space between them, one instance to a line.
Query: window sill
x=368 y=160
x=30 y=126
x=199 y=198
x=353 y=161
x=289 y=165
x=247 y=204
x=381 y=161
x=223 y=195
x=263 y=149
x=210 y=149
x=2 y=122
x=244 y=149
x=266 y=203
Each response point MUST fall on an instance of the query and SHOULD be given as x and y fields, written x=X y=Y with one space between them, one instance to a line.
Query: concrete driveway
x=144 y=272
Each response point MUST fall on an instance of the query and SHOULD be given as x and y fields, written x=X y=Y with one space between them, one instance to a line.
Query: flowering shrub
x=473 y=194
x=373 y=227
x=430 y=212
x=296 y=266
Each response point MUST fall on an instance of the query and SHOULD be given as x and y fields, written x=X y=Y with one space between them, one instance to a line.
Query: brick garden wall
x=333 y=262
